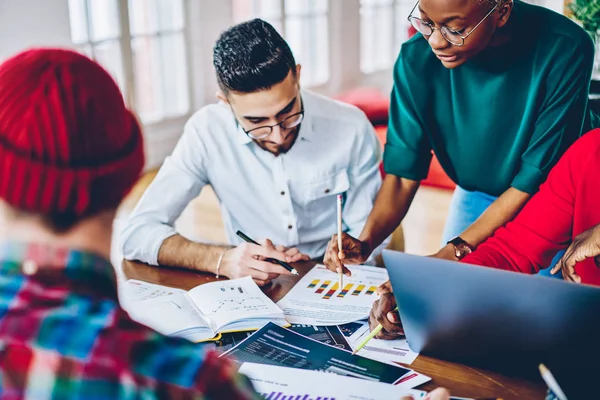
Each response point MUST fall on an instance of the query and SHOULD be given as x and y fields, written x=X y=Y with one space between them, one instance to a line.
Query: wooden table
x=460 y=379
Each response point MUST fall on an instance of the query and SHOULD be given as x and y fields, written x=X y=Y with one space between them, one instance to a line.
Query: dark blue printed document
x=282 y=347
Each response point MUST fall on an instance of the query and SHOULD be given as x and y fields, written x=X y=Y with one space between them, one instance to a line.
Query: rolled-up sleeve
x=179 y=181
x=407 y=150
x=561 y=116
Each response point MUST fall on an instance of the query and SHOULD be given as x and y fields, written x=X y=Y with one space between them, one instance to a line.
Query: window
x=142 y=44
x=304 y=25
x=383 y=28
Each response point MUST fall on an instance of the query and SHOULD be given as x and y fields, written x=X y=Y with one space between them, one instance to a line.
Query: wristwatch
x=461 y=248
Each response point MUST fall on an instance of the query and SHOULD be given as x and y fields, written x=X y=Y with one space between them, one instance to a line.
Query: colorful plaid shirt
x=64 y=336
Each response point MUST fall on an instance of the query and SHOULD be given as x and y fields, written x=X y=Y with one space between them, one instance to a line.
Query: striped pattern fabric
x=64 y=336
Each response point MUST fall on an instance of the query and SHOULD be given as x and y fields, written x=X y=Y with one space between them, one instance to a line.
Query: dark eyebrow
x=287 y=108
x=446 y=20
x=284 y=110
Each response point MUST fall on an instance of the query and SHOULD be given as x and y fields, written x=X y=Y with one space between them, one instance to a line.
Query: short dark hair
x=251 y=57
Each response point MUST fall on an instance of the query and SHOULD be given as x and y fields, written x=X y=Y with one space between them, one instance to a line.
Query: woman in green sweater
x=498 y=90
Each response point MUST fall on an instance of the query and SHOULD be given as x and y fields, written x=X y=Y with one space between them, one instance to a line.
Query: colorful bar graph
x=313 y=284
x=358 y=290
x=345 y=290
x=323 y=287
x=331 y=291
x=281 y=396
x=371 y=290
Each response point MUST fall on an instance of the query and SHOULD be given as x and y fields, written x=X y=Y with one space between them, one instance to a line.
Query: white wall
x=30 y=23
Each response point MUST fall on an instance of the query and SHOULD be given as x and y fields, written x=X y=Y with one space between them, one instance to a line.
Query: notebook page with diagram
x=203 y=312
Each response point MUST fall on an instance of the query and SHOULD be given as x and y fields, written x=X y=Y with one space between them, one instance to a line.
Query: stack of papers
x=274 y=345
x=328 y=322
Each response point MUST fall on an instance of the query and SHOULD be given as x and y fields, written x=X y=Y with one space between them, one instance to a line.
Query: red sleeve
x=544 y=226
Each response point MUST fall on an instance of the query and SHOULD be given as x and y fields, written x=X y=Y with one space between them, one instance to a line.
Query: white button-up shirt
x=290 y=198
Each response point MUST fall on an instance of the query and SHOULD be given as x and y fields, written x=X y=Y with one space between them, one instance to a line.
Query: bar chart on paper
x=318 y=298
x=348 y=288
x=282 y=396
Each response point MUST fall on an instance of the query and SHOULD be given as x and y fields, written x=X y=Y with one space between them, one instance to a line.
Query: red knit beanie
x=68 y=144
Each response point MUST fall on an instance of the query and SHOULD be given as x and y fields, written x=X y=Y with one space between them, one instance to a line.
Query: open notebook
x=203 y=312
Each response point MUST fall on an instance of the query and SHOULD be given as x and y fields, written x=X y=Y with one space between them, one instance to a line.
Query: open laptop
x=496 y=319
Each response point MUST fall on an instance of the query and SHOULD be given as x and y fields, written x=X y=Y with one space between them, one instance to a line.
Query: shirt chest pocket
x=322 y=191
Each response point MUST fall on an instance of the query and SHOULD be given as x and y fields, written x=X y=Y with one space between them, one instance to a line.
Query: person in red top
x=566 y=206
x=564 y=214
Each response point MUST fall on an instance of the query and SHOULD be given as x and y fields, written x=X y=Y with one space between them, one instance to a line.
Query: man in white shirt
x=275 y=155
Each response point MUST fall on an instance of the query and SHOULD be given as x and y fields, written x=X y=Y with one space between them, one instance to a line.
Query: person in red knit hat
x=69 y=152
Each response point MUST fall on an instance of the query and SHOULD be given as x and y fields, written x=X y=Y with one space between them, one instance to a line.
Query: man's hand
x=292 y=253
x=437 y=394
x=383 y=313
x=249 y=259
x=353 y=252
x=585 y=245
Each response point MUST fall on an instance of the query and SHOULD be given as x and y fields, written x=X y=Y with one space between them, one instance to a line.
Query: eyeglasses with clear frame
x=453 y=37
x=262 y=132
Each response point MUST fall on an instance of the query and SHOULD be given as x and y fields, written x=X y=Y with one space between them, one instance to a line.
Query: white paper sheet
x=317 y=298
x=388 y=351
x=270 y=380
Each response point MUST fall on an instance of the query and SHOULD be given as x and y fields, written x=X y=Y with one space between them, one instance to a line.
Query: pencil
x=373 y=333
x=271 y=260
x=551 y=382
x=339 y=226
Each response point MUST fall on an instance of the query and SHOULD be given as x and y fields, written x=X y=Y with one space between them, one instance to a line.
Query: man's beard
x=281 y=149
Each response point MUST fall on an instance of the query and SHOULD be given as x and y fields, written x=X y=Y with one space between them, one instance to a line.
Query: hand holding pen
x=290 y=255
x=261 y=261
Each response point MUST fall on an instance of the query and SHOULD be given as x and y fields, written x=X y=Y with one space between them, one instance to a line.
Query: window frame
x=282 y=21
x=392 y=8
x=124 y=39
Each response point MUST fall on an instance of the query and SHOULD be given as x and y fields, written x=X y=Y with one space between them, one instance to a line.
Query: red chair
x=437 y=176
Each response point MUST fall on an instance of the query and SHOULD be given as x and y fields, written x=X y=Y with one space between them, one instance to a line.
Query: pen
x=339 y=226
x=272 y=260
x=551 y=382
x=373 y=333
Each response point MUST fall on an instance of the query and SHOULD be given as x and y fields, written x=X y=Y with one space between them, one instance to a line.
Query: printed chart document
x=388 y=351
x=279 y=383
x=330 y=335
x=203 y=312
x=317 y=298
x=274 y=345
